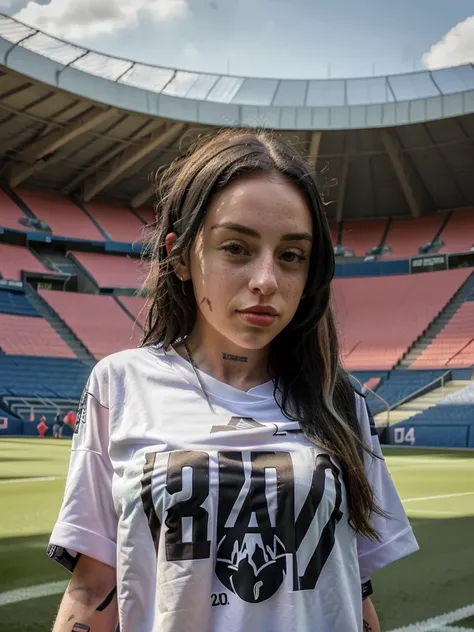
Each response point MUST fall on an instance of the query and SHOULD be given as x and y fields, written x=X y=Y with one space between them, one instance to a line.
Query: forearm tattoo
x=367 y=626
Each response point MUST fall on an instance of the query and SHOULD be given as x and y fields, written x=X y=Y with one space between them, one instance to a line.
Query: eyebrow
x=250 y=232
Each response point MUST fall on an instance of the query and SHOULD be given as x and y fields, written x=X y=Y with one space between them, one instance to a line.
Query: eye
x=234 y=249
x=290 y=256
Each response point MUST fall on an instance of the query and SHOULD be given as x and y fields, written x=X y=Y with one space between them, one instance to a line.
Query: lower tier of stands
x=99 y=322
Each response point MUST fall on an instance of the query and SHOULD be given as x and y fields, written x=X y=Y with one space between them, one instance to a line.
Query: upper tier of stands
x=99 y=221
x=28 y=335
x=118 y=222
x=63 y=216
x=98 y=321
x=361 y=236
x=380 y=318
x=406 y=235
x=15 y=259
x=112 y=271
x=10 y=213
x=458 y=234
x=136 y=307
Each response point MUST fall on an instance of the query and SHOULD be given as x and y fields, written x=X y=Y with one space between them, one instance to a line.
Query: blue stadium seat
x=399 y=385
x=30 y=376
x=444 y=415
x=16 y=303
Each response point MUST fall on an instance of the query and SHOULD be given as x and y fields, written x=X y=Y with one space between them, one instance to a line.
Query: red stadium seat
x=453 y=346
x=147 y=215
x=380 y=318
x=28 y=335
x=98 y=321
x=362 y=235
x=116 y=271
x=406 y=235
x=119 y=222
x=15 y=259
x=10 y=213
x=458 y=234
x=136 y=306
x=62 y=216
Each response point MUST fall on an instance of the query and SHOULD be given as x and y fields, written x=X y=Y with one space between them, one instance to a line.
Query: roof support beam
x=142 y=198
x=314 y=149
x=341 y=189
x=130 y=157
x=52 y=148
x=409 y=180
x=57 y=139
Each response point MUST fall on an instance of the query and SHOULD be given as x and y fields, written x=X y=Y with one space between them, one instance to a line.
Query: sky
x=265 y=38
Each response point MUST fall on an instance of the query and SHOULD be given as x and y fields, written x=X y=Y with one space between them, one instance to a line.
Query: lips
x=259 y=315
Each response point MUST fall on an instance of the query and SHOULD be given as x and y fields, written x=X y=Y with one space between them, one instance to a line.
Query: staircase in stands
x=415 y=406
x=438 y=324
x=59 y=326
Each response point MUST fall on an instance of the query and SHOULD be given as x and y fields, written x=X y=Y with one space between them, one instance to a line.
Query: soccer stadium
x=82 y=133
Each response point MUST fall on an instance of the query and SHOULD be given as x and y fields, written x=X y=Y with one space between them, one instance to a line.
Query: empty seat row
x=22 y=376
x=400 y=385
x=31 y=336
x=111 y=271
x=12 y=302
x=380 y=318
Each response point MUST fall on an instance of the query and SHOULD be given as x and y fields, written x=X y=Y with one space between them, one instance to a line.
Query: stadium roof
x=86 y=123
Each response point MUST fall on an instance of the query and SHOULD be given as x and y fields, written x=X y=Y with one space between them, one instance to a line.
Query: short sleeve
x=87 y=521
x=397 y=539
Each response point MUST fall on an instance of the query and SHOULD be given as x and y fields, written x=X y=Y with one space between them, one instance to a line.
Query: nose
x=263 y=277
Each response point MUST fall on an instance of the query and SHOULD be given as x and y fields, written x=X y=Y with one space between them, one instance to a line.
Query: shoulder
x=115 y=371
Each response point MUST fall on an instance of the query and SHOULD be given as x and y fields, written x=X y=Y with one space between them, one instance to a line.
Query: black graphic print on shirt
x=257 y=529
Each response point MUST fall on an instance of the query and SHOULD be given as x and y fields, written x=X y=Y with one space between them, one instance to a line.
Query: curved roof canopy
x=313 y=104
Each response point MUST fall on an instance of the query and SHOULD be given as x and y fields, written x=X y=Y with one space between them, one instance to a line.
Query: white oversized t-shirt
x=224 y=521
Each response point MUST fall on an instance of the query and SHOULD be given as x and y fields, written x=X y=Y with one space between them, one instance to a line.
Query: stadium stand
x=147 y=215
x=22 y=376
x=405 y=305
x=362 y=235
x=135 y=306
x=111 y=271
x=16 y=259
x=406 y=235
x=98 y=321
x=399 y=385
x=458 y=234
x=453 y=346
x=454 y=409
x=63 y=216
x=117 y=221
x=28 y=335
x=10 y=213
x=15 y=303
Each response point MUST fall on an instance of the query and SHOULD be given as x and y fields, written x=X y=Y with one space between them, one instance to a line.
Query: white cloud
x=76 y=19
x=453 y=49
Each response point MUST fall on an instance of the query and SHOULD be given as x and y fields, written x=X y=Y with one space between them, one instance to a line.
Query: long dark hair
x=310 y=383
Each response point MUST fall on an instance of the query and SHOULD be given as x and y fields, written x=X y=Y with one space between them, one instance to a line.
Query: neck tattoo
x=234 y=358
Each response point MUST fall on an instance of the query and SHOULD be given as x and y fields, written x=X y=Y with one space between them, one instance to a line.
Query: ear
x=181 y=268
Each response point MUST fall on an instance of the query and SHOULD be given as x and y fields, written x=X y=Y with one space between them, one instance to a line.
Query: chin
x=254 y=340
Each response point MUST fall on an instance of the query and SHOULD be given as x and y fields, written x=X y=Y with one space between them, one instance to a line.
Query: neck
x=225 y=361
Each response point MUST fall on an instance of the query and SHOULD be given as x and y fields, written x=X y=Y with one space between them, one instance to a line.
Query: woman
x=225 y=477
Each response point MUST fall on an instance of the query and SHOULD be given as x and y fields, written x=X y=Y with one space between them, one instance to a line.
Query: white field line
x=437 y=624
x=33 y=479
x=421 y=498
x=32 y=592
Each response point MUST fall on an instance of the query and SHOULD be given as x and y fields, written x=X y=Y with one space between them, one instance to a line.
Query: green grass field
x=437 y=488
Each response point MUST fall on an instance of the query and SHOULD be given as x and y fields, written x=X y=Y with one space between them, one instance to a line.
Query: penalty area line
x=438 y=623
x=32 y=592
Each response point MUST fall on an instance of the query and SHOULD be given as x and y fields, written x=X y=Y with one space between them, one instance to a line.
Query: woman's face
x=249 y=264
